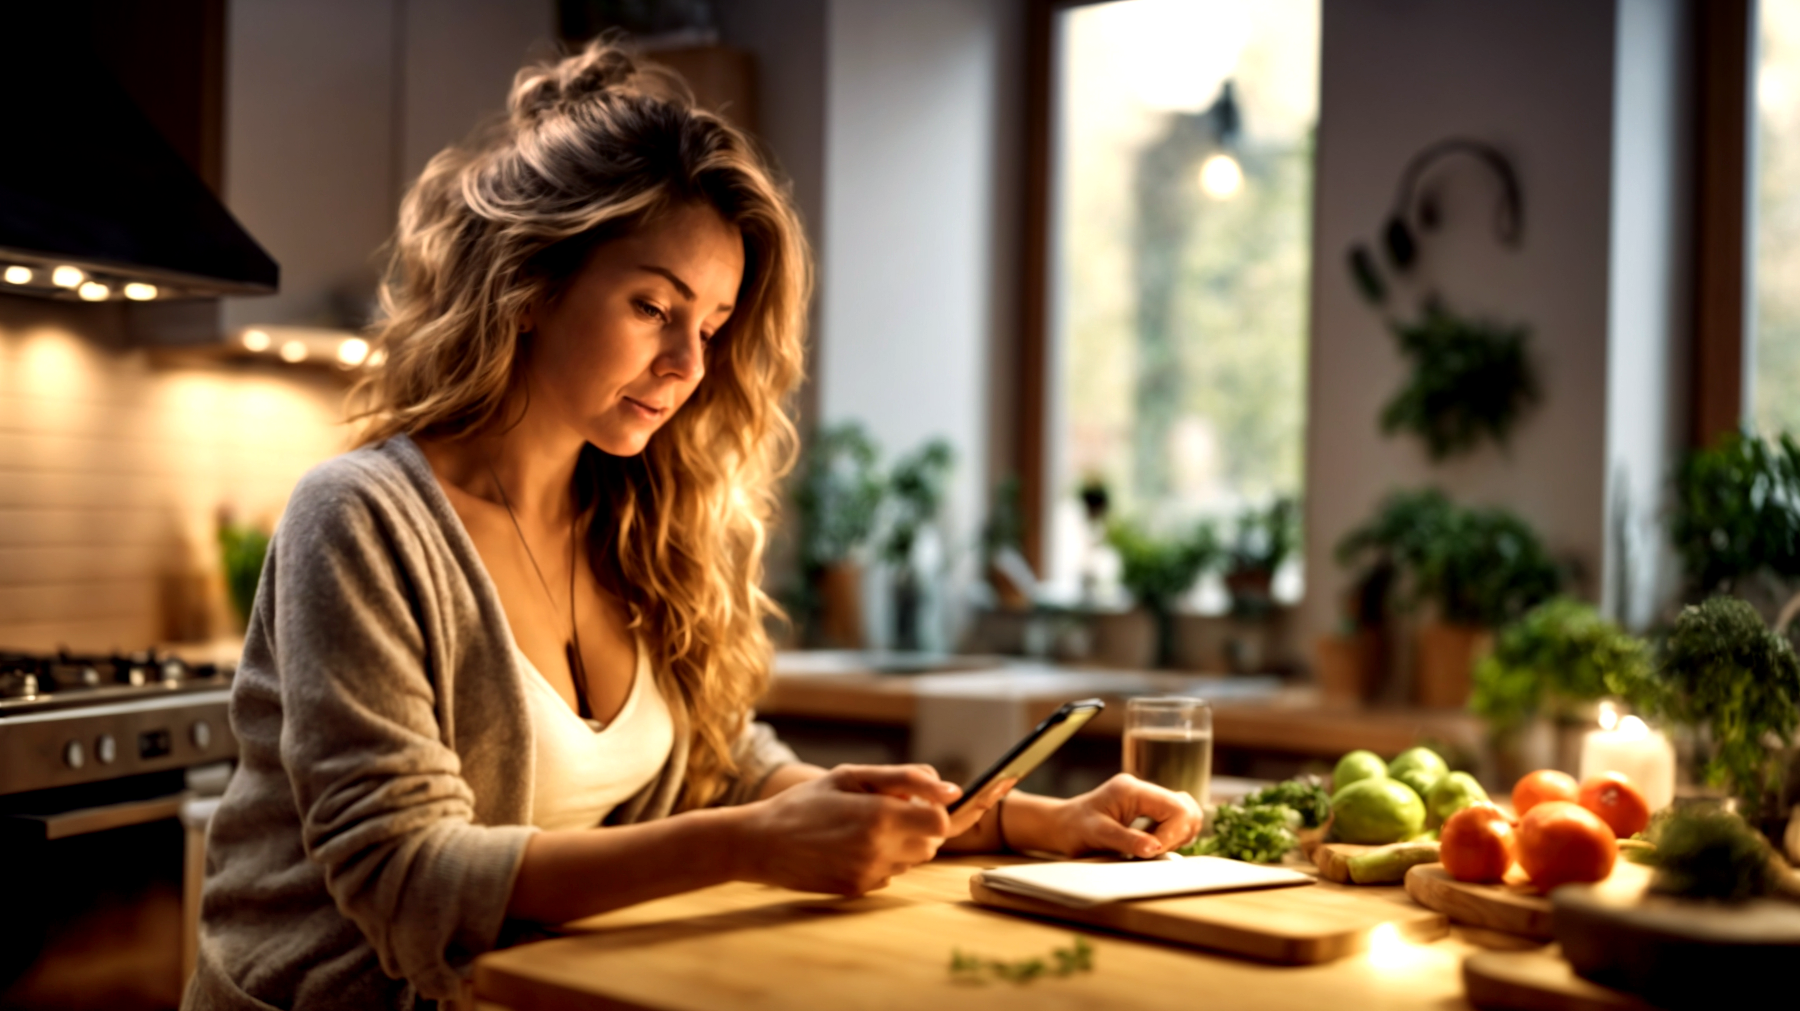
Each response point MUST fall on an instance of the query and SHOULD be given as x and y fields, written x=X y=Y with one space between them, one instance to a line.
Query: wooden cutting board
x=1539 y=981
x=1333 y=859
x=1515 y=906
x=1291 y=926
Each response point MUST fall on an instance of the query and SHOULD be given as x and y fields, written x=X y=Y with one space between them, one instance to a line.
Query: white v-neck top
x=584 y=770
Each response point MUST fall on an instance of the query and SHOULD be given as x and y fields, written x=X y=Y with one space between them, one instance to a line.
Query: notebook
x=1081 y=884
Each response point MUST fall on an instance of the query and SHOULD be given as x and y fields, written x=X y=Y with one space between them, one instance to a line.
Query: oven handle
x=81 y=821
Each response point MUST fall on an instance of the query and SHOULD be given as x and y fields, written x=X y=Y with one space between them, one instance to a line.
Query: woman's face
x=624 y=345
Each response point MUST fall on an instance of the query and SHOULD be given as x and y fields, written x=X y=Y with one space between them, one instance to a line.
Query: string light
x=353 y=351
x=67 y=277
x=138 y=291
x=255 y=340
x=293 y=352
x=17 y=274
x=93 y=291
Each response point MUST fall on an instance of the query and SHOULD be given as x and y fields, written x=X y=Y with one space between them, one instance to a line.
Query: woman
x=503 y=656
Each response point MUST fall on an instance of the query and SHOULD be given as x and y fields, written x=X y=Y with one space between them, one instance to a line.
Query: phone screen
x=1038 y=745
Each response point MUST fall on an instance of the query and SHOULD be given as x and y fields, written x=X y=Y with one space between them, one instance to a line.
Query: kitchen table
x=742 y=946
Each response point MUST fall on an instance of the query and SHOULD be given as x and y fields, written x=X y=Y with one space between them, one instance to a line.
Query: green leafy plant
x=1561 y=650
x=1724 y=670
x=916 y=489
x=1708 y=853
x=839 y=497
x=1479 y=566
x=1258 y=833
x=243 y=549
x=1157 y=571
x=970 y=968
x=1263 y=540
x=1737 y=512
x=1470 y=381
x=1304 y=795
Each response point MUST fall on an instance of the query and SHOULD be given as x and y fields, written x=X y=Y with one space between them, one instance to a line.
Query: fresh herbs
x=1158 y=570
x=1723 y=669
x=1259 y=833
x=1708 y=853
x=1562 y=649
x=1302 y=794
x=969 y=968
x=1470 y=381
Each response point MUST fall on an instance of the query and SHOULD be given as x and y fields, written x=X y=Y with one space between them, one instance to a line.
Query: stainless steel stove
x=68 y=720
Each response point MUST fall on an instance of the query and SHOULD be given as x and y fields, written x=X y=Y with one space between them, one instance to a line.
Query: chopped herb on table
x=1078 y=957
x=1258 y=833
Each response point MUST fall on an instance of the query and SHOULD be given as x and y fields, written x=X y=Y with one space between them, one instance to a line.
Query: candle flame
x=1609 y=715
x=1631 y=726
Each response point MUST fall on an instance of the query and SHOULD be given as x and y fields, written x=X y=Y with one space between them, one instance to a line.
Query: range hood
x=95 y=204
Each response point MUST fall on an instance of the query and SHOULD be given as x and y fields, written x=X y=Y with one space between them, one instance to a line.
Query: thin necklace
x=572 y=648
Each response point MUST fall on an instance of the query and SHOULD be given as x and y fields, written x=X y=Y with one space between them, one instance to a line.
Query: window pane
x=1182 y=231
x=1775 y=394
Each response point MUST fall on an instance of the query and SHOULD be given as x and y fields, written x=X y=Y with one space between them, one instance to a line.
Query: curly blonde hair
x=594 y=146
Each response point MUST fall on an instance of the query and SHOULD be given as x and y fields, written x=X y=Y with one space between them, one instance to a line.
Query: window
x=1775 y=389
x=1180 y=227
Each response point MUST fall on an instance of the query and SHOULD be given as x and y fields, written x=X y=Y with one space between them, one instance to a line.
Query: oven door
x=104 y=902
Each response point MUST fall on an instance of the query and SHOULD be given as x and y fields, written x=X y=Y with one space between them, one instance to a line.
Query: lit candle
x=1629 y=747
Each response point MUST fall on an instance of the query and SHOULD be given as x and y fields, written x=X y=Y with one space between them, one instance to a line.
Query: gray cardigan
x=365 y=850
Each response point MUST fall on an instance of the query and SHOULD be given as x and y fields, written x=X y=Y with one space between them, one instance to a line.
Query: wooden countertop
x=1250 y=713
x=746 y=946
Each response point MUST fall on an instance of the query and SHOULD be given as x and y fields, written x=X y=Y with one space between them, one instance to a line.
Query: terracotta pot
x=1447 y=657
x=839 y=588
x=1347 y=666
x=1125 y=639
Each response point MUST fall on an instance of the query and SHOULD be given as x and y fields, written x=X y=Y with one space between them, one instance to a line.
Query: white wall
x=914 y=269
x=1536 y=78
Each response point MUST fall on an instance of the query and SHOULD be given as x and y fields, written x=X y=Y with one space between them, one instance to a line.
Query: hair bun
x=541 y=88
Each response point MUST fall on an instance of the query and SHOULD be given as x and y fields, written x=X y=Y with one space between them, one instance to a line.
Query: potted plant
x=1263 y=540
x=1736 y=521
x=916 y=495
x=1553 y=662
x=1478 y=568
x=1470 y=381
x=837 y=503
x=1157 y=571
x=1724 y=672
x=243 y=548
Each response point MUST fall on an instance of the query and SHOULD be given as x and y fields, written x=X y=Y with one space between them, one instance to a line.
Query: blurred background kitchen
x=1289 y=354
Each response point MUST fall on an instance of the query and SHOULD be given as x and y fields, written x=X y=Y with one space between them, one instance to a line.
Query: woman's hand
x=848 y=831
x=1100 y=820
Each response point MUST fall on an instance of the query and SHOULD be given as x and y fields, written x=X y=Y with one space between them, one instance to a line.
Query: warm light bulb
x=1220 y=177
x=67 y=277
x=293 y=351
x=16 y=274
x=138 y=291
x=1609 y=715
x=353 y=351
x=256 y=340
x=93 y=291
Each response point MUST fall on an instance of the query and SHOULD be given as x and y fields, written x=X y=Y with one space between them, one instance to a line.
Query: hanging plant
x=1470 y=381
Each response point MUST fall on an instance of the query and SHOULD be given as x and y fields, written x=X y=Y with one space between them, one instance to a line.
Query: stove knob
x=73 y=756
x=106 y=749
x=201 y=734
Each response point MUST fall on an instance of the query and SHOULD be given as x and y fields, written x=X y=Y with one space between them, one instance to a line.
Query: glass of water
x=1168 y=741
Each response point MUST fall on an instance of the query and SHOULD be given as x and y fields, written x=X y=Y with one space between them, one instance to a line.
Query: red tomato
x=1477 y=844
x=1545 y=784
x=1560 y=842
x=1619 y=804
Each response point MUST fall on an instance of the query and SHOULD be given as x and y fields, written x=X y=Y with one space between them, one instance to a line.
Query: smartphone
x=1038 y=745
